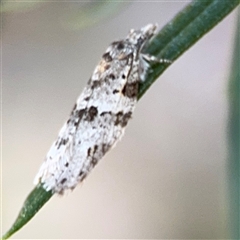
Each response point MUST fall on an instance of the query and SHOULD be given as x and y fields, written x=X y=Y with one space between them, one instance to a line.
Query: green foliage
x=183 y=31
x=34 y=202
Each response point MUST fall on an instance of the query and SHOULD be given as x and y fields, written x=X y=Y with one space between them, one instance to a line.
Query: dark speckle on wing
x=91 y=113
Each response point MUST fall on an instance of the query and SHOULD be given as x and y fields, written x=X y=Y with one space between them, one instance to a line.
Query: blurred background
x=167 y=177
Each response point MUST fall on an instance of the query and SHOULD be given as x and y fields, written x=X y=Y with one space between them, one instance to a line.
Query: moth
x=100 y=115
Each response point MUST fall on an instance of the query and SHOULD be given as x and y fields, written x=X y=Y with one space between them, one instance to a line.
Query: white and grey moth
x=100 y=114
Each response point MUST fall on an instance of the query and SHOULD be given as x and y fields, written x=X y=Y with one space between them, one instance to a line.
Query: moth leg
x=145 y=63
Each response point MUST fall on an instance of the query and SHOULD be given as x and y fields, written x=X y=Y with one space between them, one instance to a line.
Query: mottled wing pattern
x=99 y=117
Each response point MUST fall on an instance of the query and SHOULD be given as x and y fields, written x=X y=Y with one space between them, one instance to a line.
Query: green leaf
x=192 y=23
x=172 y=41
x=34 y=202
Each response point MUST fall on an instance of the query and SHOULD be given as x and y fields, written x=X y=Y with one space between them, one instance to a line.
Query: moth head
x=140 y=36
